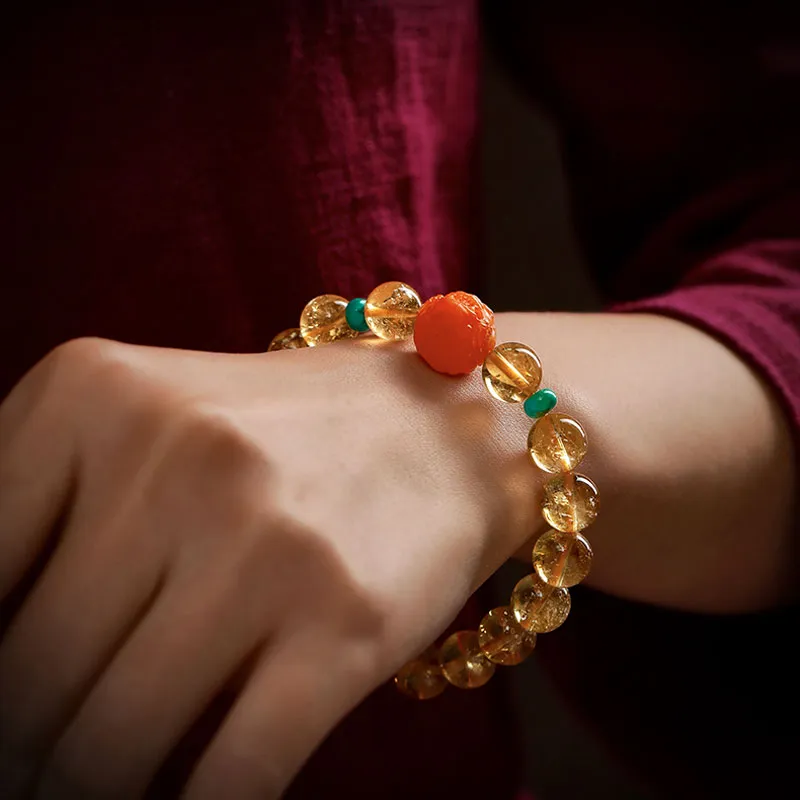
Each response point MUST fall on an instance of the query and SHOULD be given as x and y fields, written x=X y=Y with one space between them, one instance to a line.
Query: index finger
x=36 y=473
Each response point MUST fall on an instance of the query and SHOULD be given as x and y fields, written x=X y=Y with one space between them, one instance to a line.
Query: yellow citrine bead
x=422 y=677
x=537 y=607
x=323 y=320
x=570 y=502
x=463 y=662
x=512 y=372
x=503 y=640
x=290 y=339
x=391 y=310
x=557 y=443
x=562 y=559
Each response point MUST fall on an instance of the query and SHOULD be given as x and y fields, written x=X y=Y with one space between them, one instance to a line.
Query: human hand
x=315 y=518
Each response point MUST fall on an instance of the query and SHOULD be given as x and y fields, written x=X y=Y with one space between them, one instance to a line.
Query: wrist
x=480 y=439
x=475 y=463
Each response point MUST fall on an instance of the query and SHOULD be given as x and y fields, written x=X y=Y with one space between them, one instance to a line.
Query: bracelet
x=454 y=334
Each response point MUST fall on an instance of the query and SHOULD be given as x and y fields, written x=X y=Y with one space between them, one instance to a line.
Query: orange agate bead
x=454 y=333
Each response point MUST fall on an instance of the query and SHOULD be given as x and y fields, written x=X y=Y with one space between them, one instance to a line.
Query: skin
x=302 y=523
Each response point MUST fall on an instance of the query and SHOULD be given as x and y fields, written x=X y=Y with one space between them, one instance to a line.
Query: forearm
x=691 y=454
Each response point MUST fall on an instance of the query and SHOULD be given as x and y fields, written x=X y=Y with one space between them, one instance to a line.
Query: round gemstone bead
x=557 y=443
x=392 y=310
x=540 y=403
x=324 y=320
x=512 y=372
x=562 y=559
x=463 y=662
x=503 y=640
x=290 y=339
x=537 y=607
x=454 y=333
x=570 y=502
x=354 y=314
x=422 y=677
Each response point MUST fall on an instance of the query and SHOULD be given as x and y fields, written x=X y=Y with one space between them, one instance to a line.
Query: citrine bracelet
x=455 y=334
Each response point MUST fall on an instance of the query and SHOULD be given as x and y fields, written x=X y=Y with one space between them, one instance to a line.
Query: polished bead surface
x=391 y=310
x=463 y=662
x=290 y=339
x=324 y=320
x=540 y=403
x=570 y=502
x=557 y=443
x=538 y=607
x=562 y=559
x=454 y=333
x=503 y=640
x=354 y=314
x=512 y=372
x=422 y=678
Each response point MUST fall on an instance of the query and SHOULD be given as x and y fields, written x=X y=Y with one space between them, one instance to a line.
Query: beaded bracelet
x=454 y=334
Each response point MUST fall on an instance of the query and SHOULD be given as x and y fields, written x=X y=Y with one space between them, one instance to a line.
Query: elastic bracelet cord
x=454 y=334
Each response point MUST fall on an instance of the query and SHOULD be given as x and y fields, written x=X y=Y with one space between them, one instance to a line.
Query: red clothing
x=189 y=175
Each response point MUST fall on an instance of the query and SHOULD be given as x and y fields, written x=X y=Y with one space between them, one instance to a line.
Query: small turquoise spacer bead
x=538 y=404
x=354 y=314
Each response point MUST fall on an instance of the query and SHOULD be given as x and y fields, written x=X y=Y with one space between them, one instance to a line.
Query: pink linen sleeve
x=744 y=289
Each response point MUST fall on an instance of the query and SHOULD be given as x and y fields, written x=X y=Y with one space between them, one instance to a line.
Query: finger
x=202 y=628
x=36 y=473
x=91 y=594
x=301 y=689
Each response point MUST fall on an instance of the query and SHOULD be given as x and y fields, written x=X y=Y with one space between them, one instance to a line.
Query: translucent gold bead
x=323 y=320
x=422 y=677
x=570 y=502
x=557 y=443
x=562 y=559
x=537 y=607
x=512 y=372
x=463 y=662
x=290 y=339
x=503 y=640
x=391 y=310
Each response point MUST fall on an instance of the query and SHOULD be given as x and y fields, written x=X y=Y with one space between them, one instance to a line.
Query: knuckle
x=322 y=583
x=89 y=369
x=84 y=348
x=79 y=356
x=211 y=472
x=210 y=435
x=56 y=377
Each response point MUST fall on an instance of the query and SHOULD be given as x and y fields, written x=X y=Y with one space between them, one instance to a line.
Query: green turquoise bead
x=354 y=314
x=538 y=404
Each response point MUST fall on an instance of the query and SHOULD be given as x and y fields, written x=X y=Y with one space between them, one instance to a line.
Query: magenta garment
x=190 y=174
